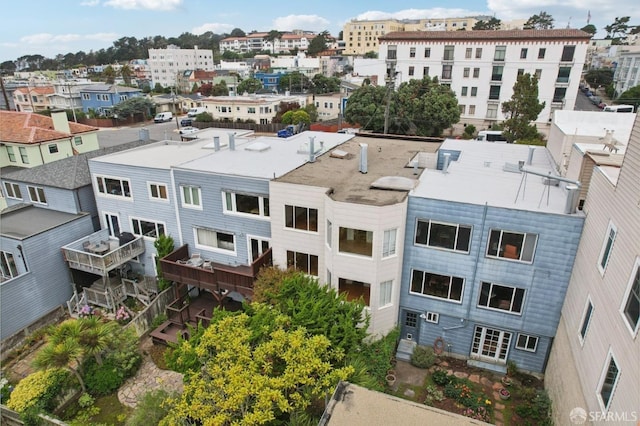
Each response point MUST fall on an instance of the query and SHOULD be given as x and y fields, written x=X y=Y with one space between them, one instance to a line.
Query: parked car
x=187 y=130
x=602 y=105
x=162 y=117
x=186 y=122
x=595 y=100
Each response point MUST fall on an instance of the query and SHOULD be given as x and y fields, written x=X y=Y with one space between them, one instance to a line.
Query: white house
x=259 y=108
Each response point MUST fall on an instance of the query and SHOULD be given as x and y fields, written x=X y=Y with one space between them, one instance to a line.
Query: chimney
x=447 y=159
x=530 y=157
x=232 y=142
x=571 y=203
x=60 y=121
x=312 y=152
x=363 y=158
x=216 y=143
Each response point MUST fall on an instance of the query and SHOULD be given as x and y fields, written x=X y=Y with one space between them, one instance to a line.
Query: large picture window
x=512 y=245
x=147 y=228
x=36 y=194
x=355 y=241
x=302 y=218
x=435 y=285
x=448 y=236
x=354 y=290
x=210 y=239
x=256 y=205
x=307 y=263
x=114 y=186
x=501 y=297
x=13 y=190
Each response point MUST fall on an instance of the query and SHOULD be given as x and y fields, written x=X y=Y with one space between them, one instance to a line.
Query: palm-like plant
x=95 y=336
x=61 y=354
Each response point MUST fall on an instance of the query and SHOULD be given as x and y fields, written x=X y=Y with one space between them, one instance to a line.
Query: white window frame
x=53 y=148
x=293 y=218
x=8 y=273
x=386 y=294
x=429 y=224
x=431 y=296
x=230 y=207
x=500 y=356
x=260 y=240
x=101 y=187
x=603 y=376
x=158 y=185
x=216 y=249
x=513 y=297
x=188 y=204
x=526 y=236
x=635 y=272
x=309 y=258
x=38 y=191
x=527 y=339
x=13 y=191
x=432 y=317
x=329 y=232
x=585 y=321
x=389 y=242
x=605 y=251
x=138 y=227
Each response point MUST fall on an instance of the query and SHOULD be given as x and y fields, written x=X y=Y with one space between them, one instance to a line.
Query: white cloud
x=436 y=12
x=46 y=38
x=163 y=5
x=90 y=3
x=214 y=27
x=304 y=22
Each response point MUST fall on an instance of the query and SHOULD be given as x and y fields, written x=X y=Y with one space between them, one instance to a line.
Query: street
x=584 y=104
x=118 y=135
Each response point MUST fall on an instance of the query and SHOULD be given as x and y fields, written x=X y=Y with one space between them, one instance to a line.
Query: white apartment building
x=256 y=42
x=259 y=108
x=328 y=105
x=481 y=67
x=593 y=373
x=166 y=63
x=627 y=74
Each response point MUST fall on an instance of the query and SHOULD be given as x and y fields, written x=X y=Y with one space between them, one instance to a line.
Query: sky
x=51 y=27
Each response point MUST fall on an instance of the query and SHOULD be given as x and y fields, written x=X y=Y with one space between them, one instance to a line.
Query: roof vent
x=216 y=143
x=363 y=166
x=447 y=159
x=232 y=142
x=338 y=153
x=312 y=154
x=530 y=156
x=258 y=147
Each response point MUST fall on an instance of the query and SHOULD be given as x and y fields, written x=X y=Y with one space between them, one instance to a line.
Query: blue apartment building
x=103 y=97
x=491 y=237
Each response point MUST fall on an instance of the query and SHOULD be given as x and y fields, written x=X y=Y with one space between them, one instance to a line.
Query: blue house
x=270 y=81
x=103 y=97
x=491 y=236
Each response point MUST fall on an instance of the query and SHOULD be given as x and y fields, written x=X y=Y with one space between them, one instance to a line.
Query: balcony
x=99 y=253
x=186 y=269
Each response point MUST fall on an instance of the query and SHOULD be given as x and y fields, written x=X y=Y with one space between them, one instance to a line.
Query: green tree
x=126 y=74
x=322 y=84
x=63 y=350
x=109 y=74
x=425 y=107
x=590 y=28
x=318 y=44
x=618 y=29
x=542 y=21
x=365 y=107
x=296 y=117
x=230 y=55
x=220 y=89
x=158 y=88
x=96 y=336
x=371 y=55
x=630 y=97
x=164 y=245
x=294 y=82
x=237 y=32
x=132 y=106
x=522 y=109
x=312 y=110
x=599 y=77
x=249 y=85
x=490 y=24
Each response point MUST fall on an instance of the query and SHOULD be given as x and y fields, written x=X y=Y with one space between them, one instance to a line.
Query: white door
x=490 y=344
x=257 y=246
x=113 y=224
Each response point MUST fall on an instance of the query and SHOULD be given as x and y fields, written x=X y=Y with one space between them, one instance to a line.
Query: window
x=527 y=343
x=354 y=290
x=13 y=190
x=586 y=320
x=303 y=262
x=478 y=52
x=462 y=109
x=191 y=197
x=412 y=52
x=490 y=343
x=11 y=154
x=494 y=93
x=36 y=194
x=500 y=53
x=605 y=252
x=432 y=317
x=472 y=109
x=496 y=73
x=86 y=96
x=559 y=94
x=512 y=245
x=411 y=319
x=608 y=382
x=23 y=155
x=53 y=148
x=7 y=266
x=147 y=228
x=355 y=241
x=425 y=71
x=567 y=53
x=463 y=91
x=448 y=53
x=113 y=186
x=631 y=304
x=411 y=70
x=520 y=71
x=301 y=218
x=474 y=91
x=158 y=191
x=541 y=52
x=392 y=52
x=210 y=239
x=468 y=52
x=443 y=235
x=251 y=110
x=389 y=243
x=538 y=74
x=563 y=74
x=427 y=52
x=256 y=205
x=77 y=140
x=329 y=233
x=465 y=72
x=523 y=53
x=501 y=297
x=446 y=72
x=435 y=285
x=476 y=72
x=386 y=290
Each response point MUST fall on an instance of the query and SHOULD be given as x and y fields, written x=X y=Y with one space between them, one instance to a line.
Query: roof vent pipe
x=363 y=158
x=447 y=159
x=571 y=203
x=530 y=156
x=415 y=167
x=232 y=142
x=312 y=153
x=216 y=143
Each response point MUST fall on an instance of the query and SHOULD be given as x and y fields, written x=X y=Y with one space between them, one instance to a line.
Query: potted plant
x=504 y=394
x=391 y=379
x=506 y=380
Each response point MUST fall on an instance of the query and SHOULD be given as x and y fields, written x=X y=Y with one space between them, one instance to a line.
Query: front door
x=113 y=224
x=490 y=344
x=410 y=325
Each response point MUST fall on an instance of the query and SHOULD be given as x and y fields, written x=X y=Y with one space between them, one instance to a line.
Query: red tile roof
x=30 y=128
x=556 y=34
x=39 y=90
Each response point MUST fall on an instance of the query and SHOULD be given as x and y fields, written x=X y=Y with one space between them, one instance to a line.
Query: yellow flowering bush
x=37 y=390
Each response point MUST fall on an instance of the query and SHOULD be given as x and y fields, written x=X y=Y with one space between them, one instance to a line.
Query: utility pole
x=390 y=81
x=4 y=92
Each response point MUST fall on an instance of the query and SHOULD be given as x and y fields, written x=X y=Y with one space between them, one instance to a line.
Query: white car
x=188 y=130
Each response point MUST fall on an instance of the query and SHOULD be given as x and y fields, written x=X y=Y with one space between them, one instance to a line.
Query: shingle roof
x=108 y=88
x=555 y=34
x=30 y=128
x=68 y=173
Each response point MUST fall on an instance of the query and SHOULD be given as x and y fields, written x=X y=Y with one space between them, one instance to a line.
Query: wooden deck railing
x=101 y=264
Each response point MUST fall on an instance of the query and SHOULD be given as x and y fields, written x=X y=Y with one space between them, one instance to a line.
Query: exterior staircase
x=405 y=349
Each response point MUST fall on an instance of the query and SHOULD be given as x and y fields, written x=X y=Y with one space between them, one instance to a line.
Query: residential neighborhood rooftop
x=30 y=128
x=339 y=170
x=538 y=35
x=488 y=173
x=25 y=220
x=595 y=123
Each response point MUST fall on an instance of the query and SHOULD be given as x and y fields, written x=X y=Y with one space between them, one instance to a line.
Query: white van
x=193 y=112
x=161 y=117
x=491 y=136
x=618 y=108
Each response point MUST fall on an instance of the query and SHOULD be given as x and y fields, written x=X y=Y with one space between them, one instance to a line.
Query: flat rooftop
x=601 y=154
x=478 y=176
x=24 y=221
x=386 y=157
x=264 y=157
x=595 y=123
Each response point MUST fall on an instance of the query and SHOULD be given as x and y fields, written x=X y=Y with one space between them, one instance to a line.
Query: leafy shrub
x=433 y=395
x=38 y=390
x=440 y=377
x=469 y=131
x=423 y=357
x=182 y=356
x=204 y=117
x=158 y=320
x=102 y=379
x=86 y=400
x=151 y=409
x=537 y=408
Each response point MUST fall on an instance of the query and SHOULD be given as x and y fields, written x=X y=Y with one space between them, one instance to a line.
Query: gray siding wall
x=139 y=206
x=212 y=216
x=86 y=202
x=545 y=280
x=47 y=285
x=57 y=198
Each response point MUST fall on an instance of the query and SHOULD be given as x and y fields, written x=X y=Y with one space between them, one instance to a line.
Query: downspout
x=175 y=203
x=40 y=151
